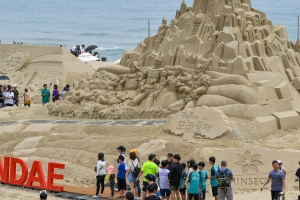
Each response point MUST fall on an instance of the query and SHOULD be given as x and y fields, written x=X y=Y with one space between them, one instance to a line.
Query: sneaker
x=120 y=197
x=111 y=197
x=100 y=195
x=95 y=196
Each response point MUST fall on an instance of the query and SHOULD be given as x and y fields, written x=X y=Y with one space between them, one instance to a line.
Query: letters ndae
x=28 y=178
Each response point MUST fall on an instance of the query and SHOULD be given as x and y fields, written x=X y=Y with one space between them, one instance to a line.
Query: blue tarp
x=4 y=78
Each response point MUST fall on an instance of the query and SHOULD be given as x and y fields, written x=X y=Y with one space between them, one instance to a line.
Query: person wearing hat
x=121 y=151
x=148 y=167
x=281 y=167
x=16 y=95
x=170 y=160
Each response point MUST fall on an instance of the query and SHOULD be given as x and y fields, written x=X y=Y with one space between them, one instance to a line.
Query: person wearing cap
x=121 y=151
x=16 y=95
x=175 y=176
x=170 y=160
x=148 y=167
x=278 y=181
x=225 y=193
x=281 y=167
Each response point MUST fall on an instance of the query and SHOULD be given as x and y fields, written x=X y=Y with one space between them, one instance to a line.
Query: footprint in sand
x=26 y=147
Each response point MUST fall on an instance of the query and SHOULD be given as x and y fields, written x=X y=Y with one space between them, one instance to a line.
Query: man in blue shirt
x=203 y=178
x=278 y=181
x=213 y=178
x=121 y=177
x=227 y=192
x=193 y=179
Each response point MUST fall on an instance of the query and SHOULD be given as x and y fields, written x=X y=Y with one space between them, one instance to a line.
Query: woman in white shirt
x=100 y=175
x=9 y=96
x=132 y=164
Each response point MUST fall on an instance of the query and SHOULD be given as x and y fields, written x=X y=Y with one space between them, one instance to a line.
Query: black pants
x=112 y=189
x=9 y=104
x=100 y=180
x=196 y=196
x=275 y=194
x=27 y=105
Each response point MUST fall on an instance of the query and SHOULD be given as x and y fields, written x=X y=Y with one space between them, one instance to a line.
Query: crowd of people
x=171 y=179
x=10 y=96
x=80 y=50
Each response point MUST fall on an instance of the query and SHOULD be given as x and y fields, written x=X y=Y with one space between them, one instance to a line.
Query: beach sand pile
x=77 y=146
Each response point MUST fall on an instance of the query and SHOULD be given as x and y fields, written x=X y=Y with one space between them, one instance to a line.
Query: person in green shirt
x=148 y=167
x=45 y=93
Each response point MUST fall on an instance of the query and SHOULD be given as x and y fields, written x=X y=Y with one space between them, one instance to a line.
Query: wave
x=109 y=48
x=93 y=34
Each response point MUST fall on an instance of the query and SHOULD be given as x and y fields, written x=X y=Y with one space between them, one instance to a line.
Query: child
x=163 y=174
x=129 y=196
x=121 y=177
x=151 y=180
x=182 y=187
x=27 y=100
x=193 y=179
x=111 y=180
x=203 y=178
x=151 y=192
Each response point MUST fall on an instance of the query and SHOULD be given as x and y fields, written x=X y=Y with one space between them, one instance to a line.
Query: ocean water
x=112 y=25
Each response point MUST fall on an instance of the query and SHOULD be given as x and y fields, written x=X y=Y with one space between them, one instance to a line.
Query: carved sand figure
x=170 y=93
x=129 y=85
x=196 y=85
x=153 y=82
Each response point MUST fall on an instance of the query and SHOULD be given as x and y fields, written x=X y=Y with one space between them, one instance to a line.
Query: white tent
x=85 y=57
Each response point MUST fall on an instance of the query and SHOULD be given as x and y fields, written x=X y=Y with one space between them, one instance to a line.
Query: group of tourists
x=163 y=180
x=172 y=179
x=9 y=96
x=46 y=94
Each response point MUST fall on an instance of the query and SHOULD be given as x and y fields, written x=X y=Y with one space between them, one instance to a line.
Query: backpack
x=223 y=181
x=136 y=170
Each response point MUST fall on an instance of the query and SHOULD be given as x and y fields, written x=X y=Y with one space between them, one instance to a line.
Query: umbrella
x=90 y=48
x=4 y=78
x=85 y=57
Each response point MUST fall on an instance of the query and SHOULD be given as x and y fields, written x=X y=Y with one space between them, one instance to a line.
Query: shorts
x=145 y=184
x=173 y=188
x=131 y=179
x=182 y=190
x=214 y=190
x=121 y=184
x=165 y=192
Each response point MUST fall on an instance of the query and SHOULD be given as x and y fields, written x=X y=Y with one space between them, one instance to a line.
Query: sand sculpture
x=30 y=66
x=221 y=54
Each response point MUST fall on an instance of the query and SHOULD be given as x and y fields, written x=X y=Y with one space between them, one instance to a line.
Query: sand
x=77 y=146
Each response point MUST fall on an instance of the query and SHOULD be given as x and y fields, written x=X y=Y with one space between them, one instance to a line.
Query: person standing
x=55 y=93
x=194 y=179
x=225 y=176
x=82 y=50
x=170 y=161
x=175 y=176
x=213 y=178
x=121 y=151
x=137 y=183
x=27 y=99
x=111 y=180
x=278 y=181
x=1 y=97
x=45 y=93
x=203 y=178
x=100 y=175
x=182 y=187
x=132 y=172
x=9 y=96
x=121 y=177
x=148 y=167
x=163 y=174
x=16 y=95
x=281 y=167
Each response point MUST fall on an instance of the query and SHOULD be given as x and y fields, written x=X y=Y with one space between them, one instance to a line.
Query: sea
x=112 y=25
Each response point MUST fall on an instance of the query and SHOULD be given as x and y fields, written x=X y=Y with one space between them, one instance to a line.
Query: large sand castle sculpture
x=221 y=54
x=31 y=66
